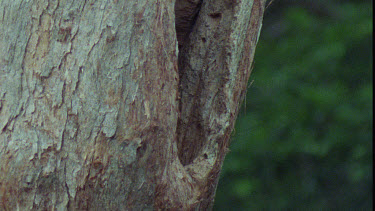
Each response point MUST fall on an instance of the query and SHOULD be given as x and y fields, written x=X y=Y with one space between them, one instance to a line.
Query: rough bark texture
x=102 y=109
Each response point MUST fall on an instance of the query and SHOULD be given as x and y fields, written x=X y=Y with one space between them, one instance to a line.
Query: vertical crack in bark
x=186 y=14
x=204 y=125
x=203 y=32
x=215 y=55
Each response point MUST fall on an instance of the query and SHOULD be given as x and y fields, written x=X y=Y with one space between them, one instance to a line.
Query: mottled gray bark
x=102 y=109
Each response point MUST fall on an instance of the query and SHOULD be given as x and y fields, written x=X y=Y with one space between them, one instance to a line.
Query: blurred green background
x=303 y=139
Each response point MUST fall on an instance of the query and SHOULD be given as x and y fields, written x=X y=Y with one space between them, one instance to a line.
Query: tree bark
x=103 y=106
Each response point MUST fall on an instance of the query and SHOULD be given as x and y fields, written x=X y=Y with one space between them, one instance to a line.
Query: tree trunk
x=104 y=107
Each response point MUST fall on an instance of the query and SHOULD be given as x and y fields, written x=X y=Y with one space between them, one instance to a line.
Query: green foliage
x=305 y=139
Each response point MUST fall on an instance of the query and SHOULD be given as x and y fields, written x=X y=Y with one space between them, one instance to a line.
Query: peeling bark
x=115 y=105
